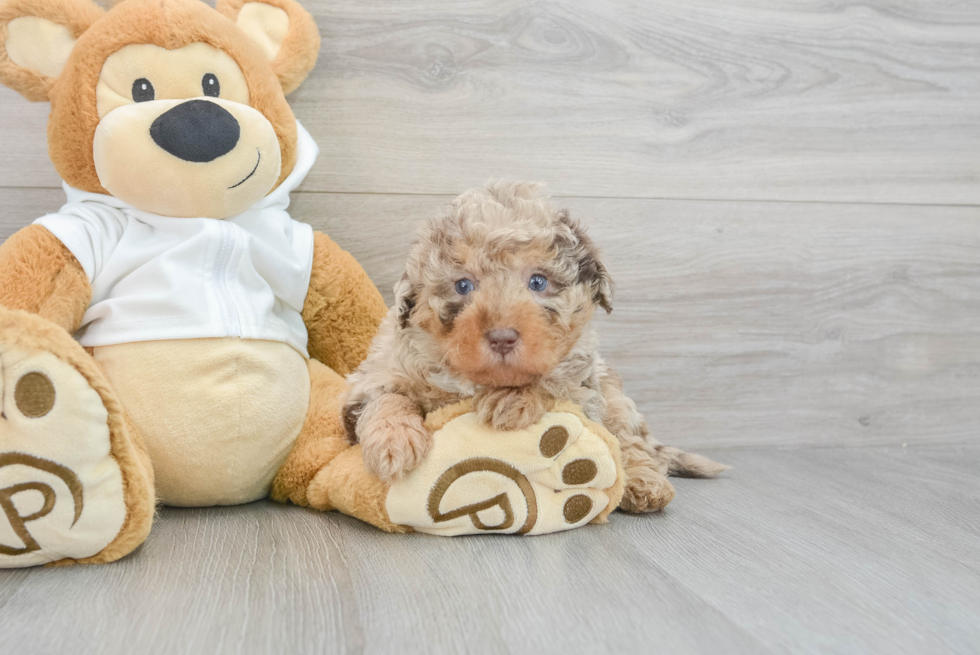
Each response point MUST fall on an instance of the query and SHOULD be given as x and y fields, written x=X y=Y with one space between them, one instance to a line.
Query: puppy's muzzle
x=503 y=341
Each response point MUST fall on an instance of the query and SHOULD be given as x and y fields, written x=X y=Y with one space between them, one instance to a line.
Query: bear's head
x=169 y=105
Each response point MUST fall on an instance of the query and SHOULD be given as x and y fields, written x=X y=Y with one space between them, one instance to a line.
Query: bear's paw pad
x=61 y=493
x=555 y=475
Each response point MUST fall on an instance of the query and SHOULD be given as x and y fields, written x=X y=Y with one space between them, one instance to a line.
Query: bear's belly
x=218 y=416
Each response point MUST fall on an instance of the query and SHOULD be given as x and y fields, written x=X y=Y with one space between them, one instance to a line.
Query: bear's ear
x=36 y=37
x=284 y=32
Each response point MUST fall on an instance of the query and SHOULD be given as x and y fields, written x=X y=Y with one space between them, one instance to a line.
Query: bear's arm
x=39 y=274
x=343 y=308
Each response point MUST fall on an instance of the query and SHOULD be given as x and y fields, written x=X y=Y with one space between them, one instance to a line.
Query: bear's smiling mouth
x=259 y=152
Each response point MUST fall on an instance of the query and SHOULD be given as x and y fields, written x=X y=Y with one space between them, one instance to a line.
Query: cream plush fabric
x=155 y=277
x=62 y=498
x=559 y=474
x=218 y=416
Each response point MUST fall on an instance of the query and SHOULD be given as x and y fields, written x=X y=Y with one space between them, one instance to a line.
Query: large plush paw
x=394 y=444
x=560 y=473
x=62 y=491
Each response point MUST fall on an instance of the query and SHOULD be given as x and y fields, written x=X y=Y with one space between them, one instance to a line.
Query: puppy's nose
x=196 y=130
x=502 y=341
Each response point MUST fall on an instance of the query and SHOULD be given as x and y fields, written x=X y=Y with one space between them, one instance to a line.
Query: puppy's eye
x=537 y=283
x=143 y=90
x=210 y=85
x=464 y=287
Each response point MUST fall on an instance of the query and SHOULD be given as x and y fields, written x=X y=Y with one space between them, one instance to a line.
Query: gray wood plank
x=835 y=550
x=24 y=135
x=804 y=551
x=264 y=578
x=740 y=323
x=761 y=323
x=708 y=99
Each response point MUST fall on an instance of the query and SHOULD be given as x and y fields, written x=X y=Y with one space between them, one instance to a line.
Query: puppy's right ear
x=405 y=299
x=36 y=37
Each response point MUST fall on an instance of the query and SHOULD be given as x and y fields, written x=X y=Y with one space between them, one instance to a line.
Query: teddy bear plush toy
x=172 y=335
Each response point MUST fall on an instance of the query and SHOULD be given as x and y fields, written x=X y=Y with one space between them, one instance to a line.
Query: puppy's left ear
x=405 y=299
x=591 y=272
x=284 y=32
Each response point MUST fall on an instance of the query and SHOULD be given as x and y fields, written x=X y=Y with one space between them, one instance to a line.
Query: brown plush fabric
x=299 y=50
x=343 y=308
x=32 y=333
x=347 y=486
x=323 y=471
x=39 y=274
x=169 y=24
x=322 y=438
x=77 y=15
x=342 y=312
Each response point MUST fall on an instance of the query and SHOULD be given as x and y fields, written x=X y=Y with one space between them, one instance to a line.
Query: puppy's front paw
x=646 y=490
x=394 y=445
x=511 y=408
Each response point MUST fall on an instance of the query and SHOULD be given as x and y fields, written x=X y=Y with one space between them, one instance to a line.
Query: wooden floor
x=788 y=196
x=825 y=550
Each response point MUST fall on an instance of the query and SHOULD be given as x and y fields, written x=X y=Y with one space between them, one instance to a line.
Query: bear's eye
x=210 y=85
x=143 y=90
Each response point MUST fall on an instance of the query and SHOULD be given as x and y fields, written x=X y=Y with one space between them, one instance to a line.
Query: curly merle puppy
x=496 y=304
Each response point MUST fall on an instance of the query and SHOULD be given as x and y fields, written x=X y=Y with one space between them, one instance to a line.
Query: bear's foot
x=558 y=474
x=73 y=486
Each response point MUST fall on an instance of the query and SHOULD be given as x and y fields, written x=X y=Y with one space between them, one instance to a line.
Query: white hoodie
x=156 y=277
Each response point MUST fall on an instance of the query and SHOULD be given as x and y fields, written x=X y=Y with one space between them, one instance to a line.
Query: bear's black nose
x=196 y=130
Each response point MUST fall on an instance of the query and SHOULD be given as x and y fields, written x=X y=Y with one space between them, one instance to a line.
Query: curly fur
x=432 y=349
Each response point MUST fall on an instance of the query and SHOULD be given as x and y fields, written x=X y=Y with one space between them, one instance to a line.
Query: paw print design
x=558 y=474
x=62 y=494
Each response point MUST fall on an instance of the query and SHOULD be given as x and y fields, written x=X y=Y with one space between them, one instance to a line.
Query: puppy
x=496 y=304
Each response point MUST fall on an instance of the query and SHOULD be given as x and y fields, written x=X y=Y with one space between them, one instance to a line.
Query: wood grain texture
x=803 y=551
x=761 y=323
x=741 y=324
x=802 y=342
x=766 y=99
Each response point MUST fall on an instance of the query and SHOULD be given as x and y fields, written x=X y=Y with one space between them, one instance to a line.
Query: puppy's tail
x=689 y=465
